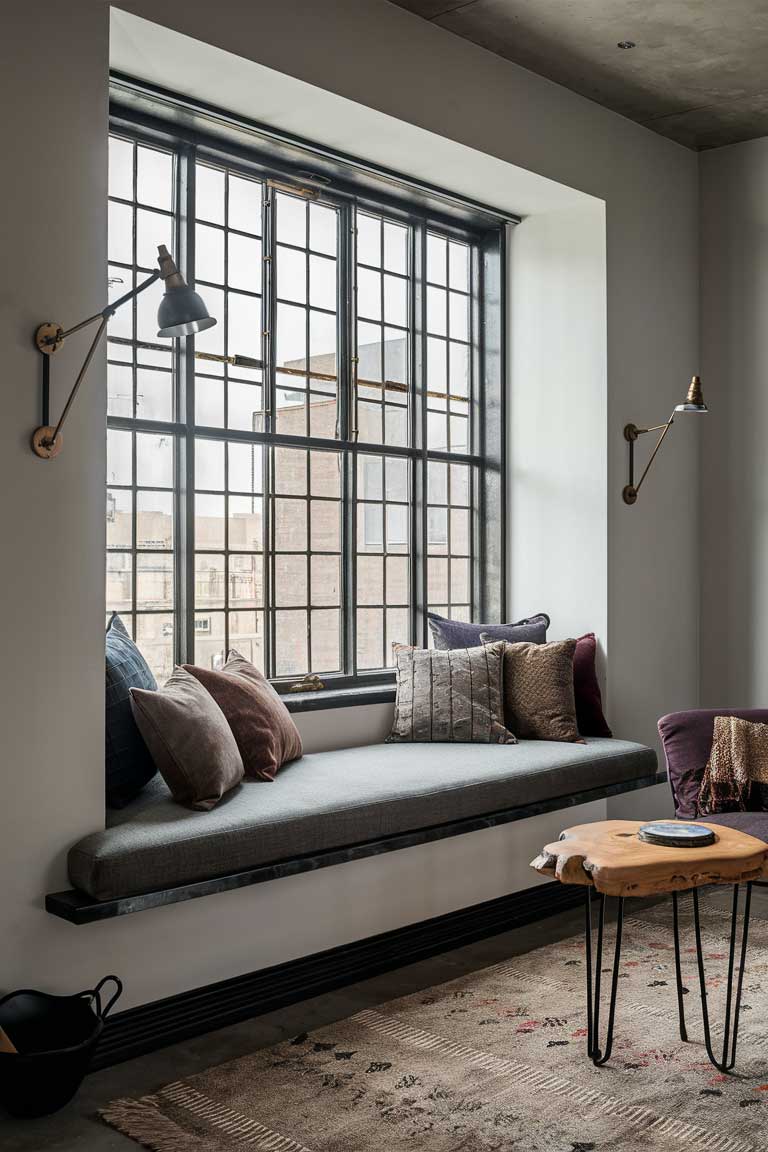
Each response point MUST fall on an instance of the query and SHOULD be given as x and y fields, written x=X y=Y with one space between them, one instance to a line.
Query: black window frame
x=486 y=236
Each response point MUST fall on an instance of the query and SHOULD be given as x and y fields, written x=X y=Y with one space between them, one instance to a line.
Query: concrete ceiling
x=698 y=73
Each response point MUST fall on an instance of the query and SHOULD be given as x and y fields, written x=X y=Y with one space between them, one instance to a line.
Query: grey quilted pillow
x=450 y=696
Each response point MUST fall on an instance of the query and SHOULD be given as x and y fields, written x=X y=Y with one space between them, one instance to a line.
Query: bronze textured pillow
x=261 y=724
x=189 y=739
x=539 y=701
x=452 y=695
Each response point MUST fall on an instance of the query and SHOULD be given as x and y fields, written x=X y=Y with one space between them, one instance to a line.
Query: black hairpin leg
x=731 y=1028
x=678 y=972
x=597 y=1055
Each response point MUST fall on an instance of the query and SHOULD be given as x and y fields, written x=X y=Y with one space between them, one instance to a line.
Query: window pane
x=119 y=518
x=291 y=349
x=210 y=639
x=119 y=390
x=436 y=259
x=154 y=519
x=209 y=254
x=323 y=225
x=155 y=178
x=209 y=402
x=291 y=275
x=368 y=239
x=322 y=283
x=154 y=395
x=210 y=581
x=154 y=460
x=291 y=647
x=246 y=636
x=291 y=581
x=209 y=193
x=119 y=457
x=209 y=464
x=120 y=246
x=209 y=521
x=246 y=463
x=246 y=523
x=152 y=230
x=119 y=582
x=370 y=638
x=244 y=204
x=290 y=525
x=154 y=580
x=121 y=168
x=246 y=581
x=291 y=220
x=155 y=639
x=244 y=266
x=326 y=579
x=458 y=264
x=395 y=248
x=326 y=640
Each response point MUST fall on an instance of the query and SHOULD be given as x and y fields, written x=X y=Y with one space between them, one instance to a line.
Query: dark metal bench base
x=79 y=908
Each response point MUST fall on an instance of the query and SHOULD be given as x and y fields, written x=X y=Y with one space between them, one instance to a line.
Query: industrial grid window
x=305 y=480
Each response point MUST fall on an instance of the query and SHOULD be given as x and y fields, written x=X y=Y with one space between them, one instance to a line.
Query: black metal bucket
x=55 y=1037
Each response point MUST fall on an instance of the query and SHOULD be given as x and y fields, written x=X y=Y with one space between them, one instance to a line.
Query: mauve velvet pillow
x=261 y=724
x=589 y=702
x=459 y=634
x=190 y=740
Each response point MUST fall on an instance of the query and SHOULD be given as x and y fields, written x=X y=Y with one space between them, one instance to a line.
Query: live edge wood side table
x=608 y=857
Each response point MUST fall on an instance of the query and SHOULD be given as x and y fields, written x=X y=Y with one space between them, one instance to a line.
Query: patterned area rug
x=495 y=1061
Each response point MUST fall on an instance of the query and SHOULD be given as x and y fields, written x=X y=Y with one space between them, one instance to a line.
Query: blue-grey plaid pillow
x=128 y=764
x=459 y=634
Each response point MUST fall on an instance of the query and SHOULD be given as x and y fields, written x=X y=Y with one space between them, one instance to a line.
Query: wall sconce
x=694 y=402
x=181 y=313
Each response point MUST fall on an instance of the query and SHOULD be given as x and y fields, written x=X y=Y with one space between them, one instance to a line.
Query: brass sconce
x=181 y=313
x=694 y=402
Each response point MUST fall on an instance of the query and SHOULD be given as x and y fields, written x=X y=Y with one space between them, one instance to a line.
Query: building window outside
x=301 y=481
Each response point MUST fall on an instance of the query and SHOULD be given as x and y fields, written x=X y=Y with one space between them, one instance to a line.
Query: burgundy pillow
x=589 y=702
x=261 y=724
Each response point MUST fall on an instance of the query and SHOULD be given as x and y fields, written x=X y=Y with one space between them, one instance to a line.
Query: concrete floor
x=77 y=1128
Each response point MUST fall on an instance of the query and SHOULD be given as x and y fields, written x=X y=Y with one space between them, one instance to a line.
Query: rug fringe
x=143 y=1121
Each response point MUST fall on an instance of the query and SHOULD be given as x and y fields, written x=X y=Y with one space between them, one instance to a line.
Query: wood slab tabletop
x=608 y=855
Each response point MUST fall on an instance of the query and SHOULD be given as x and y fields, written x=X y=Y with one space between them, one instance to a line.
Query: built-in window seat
x=331 y=808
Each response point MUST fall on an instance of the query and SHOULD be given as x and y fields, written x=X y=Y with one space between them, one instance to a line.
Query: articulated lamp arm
x=50 y=337
x=694 y=402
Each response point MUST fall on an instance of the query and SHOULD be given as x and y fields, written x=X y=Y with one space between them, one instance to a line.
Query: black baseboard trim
x=177 y=1018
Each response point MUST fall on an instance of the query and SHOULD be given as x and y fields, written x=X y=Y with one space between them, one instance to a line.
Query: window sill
x=338 y=698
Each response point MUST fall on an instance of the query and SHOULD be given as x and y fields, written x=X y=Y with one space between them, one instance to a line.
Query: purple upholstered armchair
x=687 y=740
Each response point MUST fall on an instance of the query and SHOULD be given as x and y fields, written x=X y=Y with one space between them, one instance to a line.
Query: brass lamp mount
x=694 y=402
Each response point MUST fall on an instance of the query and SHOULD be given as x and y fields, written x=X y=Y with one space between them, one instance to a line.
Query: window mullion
x=419 y=434
x=185 y=492
x=268 y=345
x=346 y=402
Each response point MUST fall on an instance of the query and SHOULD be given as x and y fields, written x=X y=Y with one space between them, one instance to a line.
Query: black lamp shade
x=182 y=313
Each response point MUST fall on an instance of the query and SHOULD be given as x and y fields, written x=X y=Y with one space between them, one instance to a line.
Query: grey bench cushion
x=334 y=799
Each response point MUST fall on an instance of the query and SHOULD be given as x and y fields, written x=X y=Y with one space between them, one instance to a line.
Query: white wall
x=734 y=546
x=522 y=129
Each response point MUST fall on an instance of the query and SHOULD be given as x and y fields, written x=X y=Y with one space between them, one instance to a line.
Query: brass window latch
x=308 y=683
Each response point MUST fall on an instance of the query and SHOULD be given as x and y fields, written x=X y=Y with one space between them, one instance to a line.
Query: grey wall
x=53 y=210
x=734 y=555
x=53 y=245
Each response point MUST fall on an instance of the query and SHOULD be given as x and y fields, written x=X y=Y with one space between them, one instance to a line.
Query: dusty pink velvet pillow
x=261 y=724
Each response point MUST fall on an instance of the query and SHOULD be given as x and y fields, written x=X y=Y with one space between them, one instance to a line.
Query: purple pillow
x=458 y=634
x=589 y=702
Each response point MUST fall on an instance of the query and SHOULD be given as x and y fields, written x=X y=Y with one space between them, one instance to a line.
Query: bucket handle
x=95 y=994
